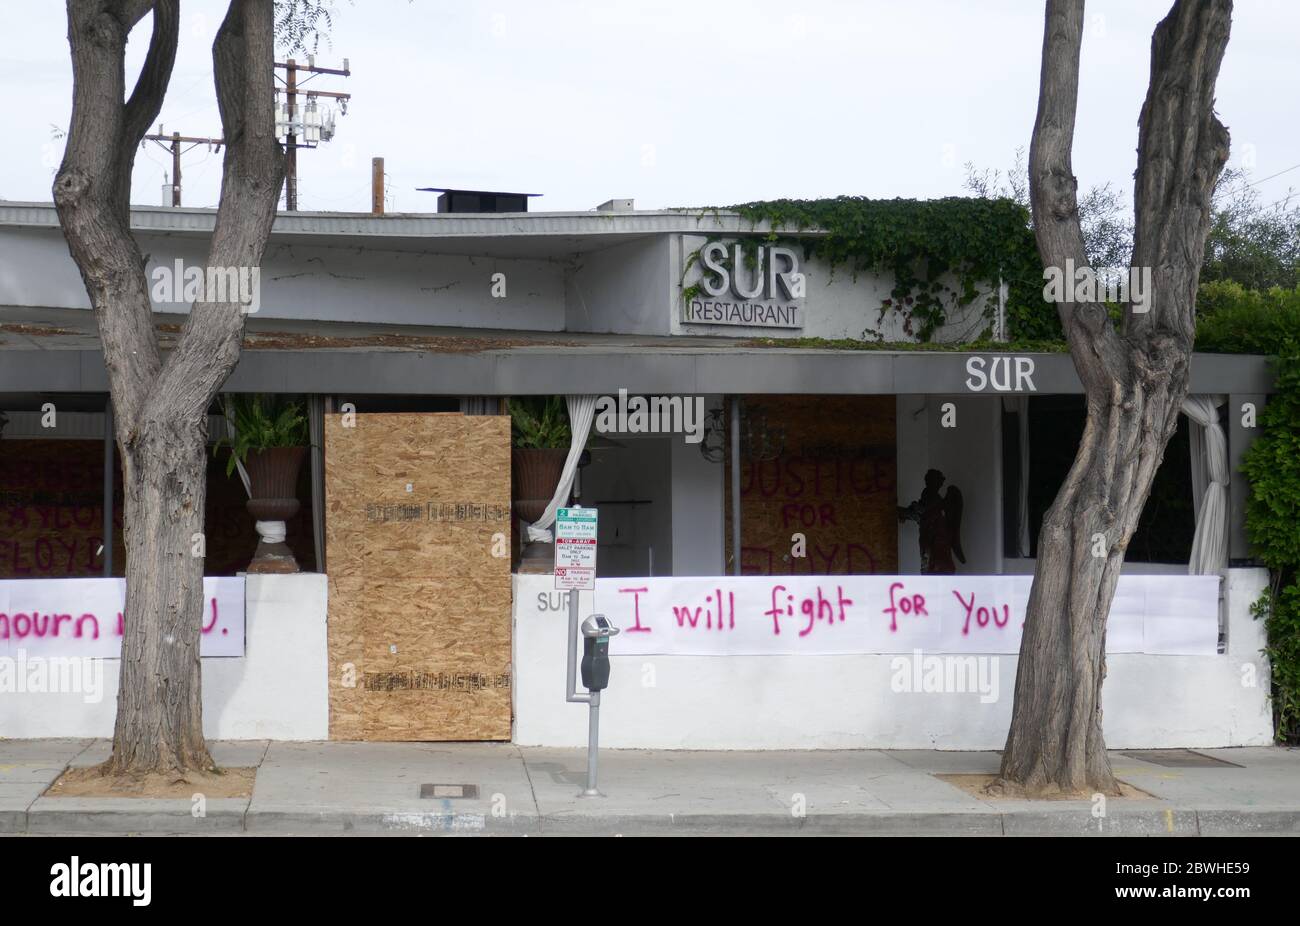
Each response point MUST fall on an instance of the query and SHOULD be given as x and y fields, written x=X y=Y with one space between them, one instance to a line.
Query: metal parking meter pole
x=575 y=569
x=572 y=640
x=596 y=631
x=593 y=743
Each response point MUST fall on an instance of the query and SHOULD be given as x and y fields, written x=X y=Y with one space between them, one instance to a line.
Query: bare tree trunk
x=1055 y=741
x=1135 y=380
x=162 y=402
x=159 y=706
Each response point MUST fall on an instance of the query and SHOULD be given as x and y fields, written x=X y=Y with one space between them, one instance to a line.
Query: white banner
x=829 y=615
x=83 y=617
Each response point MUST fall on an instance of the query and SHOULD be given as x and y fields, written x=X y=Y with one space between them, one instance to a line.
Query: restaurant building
x=761 y=494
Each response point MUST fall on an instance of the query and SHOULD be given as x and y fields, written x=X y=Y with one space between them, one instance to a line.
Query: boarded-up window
x=52 y=513
x=823 y=467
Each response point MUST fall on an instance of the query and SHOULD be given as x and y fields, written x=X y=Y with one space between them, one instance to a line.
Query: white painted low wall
x=849 y=701
x=276 y=690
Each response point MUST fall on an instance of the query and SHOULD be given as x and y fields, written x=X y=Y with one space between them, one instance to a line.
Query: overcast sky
x=676 y=103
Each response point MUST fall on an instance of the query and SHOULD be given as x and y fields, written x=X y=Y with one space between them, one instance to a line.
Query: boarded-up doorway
x=417 y=532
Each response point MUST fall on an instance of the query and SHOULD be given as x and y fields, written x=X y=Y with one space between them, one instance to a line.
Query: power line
x=308 y=128
x=1246 y=186
x=173 y=142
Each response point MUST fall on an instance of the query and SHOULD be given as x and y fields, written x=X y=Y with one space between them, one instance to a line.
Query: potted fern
x=270 y=440
x=539 y=440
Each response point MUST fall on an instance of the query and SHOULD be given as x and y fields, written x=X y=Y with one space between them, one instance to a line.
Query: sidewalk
x=374 y=788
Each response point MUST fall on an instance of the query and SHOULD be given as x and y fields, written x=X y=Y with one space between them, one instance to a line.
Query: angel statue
x=939 y=517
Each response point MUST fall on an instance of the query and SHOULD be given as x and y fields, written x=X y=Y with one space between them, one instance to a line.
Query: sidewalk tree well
x=1135 y=378
x=160 y=402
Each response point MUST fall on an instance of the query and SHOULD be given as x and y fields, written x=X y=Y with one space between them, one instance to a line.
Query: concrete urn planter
x=273 y=500
x=535 y=472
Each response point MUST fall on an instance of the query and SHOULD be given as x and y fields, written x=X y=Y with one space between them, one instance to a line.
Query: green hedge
x=1235 y=320
x=1272 y=465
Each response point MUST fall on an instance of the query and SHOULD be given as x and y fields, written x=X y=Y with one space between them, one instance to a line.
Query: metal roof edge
x=168 y=219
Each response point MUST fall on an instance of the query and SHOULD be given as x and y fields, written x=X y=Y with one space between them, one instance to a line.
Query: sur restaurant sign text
x=760 y=291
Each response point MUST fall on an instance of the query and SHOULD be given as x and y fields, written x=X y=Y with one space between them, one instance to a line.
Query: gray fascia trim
x=605 y=371
x=162 y=219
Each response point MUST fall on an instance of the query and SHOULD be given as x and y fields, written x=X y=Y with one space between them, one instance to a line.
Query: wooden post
x=377 y=186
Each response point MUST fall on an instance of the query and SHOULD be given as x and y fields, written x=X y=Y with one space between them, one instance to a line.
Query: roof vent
x=615 y=205
x=478 y=200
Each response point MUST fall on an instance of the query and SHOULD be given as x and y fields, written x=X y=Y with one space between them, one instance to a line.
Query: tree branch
x=211 y=339
x=1182 y=148
x=1097 y=350
x=132 y=11
x=147 y=97
x=92 y=199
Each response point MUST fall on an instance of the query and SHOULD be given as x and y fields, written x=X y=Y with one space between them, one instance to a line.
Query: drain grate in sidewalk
x=1179 y=758
x=449 y=791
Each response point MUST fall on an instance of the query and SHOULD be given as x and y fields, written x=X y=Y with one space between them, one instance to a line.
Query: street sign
x=575 y=548
x=571 y=577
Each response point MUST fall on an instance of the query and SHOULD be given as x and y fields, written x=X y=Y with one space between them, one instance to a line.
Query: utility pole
x=173 y=143
x=304 y=127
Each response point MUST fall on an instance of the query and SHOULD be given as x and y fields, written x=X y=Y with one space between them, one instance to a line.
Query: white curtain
x=1209 y=452
x=582 y=409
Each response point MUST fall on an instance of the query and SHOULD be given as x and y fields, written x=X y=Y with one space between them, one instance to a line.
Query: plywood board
x=827 y=470
x=420 y=609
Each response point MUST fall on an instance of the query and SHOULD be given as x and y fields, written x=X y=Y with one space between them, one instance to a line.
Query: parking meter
x=596 y=631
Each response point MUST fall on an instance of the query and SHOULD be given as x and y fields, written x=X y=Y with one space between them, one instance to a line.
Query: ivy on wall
x=1273 y=467
x=926 y=245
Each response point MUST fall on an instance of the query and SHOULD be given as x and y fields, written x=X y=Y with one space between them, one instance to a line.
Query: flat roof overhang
x=594 y=368
x=524 y=235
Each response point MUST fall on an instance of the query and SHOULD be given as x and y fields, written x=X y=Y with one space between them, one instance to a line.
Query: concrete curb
x=393 y=823
x=1165 y=821
x=134 y=815
x=13 y=822
x=1249 y=822
x=91 y=817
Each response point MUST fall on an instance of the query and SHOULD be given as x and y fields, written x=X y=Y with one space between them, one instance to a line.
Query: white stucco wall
x=357 y=283
x=633 y=287
x=843 y=702
x=624 y=288
x=277 y=690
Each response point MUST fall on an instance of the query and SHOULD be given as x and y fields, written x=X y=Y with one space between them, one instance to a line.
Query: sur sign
x=995 y=373
x=575 y=548
x=763 y=290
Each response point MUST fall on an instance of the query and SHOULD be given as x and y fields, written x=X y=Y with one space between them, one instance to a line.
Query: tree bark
x=1134 y=379
x=162 y=402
